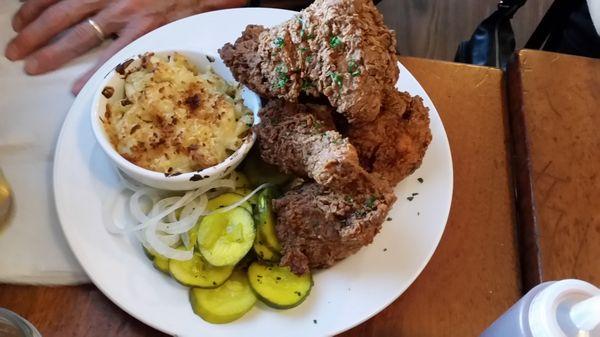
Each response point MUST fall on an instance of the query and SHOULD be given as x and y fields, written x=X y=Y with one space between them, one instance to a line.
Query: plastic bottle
x=567 y=308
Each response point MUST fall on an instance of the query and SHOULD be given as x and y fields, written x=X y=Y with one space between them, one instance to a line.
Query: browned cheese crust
x=339 y=48
x=318 y=226
x=393 y=146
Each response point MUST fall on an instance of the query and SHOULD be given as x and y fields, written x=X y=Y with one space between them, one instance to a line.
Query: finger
x=30 y=10
x=128 y=35
x=50 y=23
x=75 y=42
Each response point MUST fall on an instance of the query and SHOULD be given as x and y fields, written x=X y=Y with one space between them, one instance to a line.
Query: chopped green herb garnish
x=348 y=199
x=307 y=84
x=336 y=78
x=281 y=83
x=303 y=25
x=335 y=41
x=281 y=68
x=282 y=76
x=309 y=59
x=304 y=31
x=279 y=42
x=420 y=180
x=370 y=203
x=318 y=125
x=353 y=69
x=303 y=49
x=360 y=213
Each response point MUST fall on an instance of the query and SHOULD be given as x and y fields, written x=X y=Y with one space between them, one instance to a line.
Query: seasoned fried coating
x=318 y=227
x=301 y=139
x=341 y=51
x=337 y=48
x=393 y=146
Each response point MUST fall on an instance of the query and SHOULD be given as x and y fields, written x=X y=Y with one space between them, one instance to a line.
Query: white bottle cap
x=549 y=312
x=586 y=314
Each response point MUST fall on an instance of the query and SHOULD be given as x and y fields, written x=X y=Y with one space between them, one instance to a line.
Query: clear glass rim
x=27 y=329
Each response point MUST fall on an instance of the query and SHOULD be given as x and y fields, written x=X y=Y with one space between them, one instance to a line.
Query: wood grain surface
x=434 y=28
x=472 y=278
x=78 y=311
x=555 y=106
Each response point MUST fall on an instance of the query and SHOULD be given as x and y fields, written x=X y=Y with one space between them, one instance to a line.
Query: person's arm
x=53 y=32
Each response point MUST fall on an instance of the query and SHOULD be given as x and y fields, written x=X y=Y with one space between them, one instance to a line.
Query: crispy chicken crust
x=301 y=139
x=321 y=223
x=339 y=48
x=318 y=226
x=342 y=51
x=393 y=146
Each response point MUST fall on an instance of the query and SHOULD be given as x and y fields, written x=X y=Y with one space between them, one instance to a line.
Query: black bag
x=566 y=28
x=493 y=42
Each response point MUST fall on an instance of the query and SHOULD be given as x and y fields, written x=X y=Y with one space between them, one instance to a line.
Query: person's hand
x=53 y=32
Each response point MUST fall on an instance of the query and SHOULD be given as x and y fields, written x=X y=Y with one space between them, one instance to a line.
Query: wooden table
x=474 y=275
x=555 y=113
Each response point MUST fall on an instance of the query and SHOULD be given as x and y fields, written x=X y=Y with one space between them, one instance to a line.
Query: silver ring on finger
x=97 y=29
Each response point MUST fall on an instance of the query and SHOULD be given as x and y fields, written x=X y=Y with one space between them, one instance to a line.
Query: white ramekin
x=184 y=181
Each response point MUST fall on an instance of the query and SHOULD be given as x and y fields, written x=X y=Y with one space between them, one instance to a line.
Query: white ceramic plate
x=343 y=296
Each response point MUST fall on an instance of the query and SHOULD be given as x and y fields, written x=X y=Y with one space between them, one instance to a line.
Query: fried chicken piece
x=318 y=227
x=339 y=48
x=393 y=146
x=301 y=139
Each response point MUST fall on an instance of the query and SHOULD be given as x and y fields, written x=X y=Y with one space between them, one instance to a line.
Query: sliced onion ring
x=163 y=249
x=160 y=229
x=241 y=201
